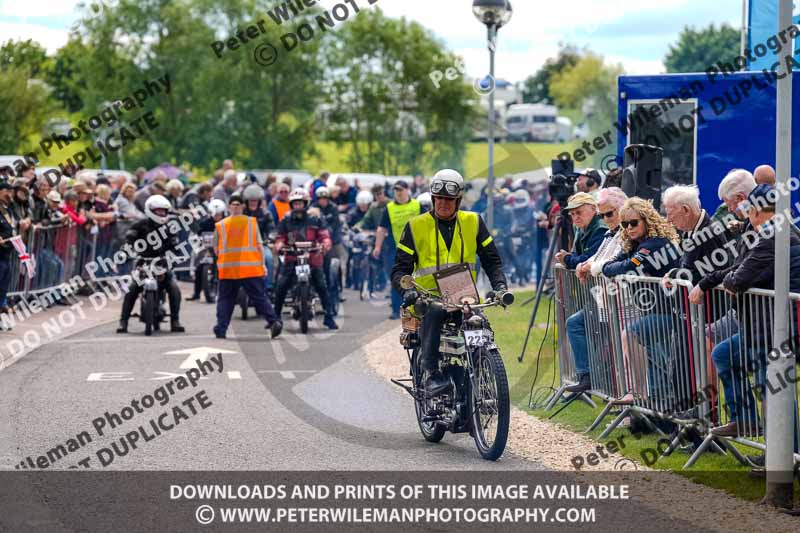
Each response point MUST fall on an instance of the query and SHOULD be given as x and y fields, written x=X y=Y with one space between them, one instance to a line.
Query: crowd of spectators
x=731 y=249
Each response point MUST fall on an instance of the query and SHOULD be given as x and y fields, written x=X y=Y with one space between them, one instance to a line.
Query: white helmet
x=364 y=198
x=299 y=194
x=253 y=192
x=323 y=192
x=447 y=183
x=425 y=199
x=521 y=198
x=217 y=207
x=157 y=202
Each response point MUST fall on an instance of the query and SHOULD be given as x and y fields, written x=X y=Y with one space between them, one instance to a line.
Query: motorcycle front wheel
x=431 y=431
x=305 y=305
x=491 y=405
x=149 y=304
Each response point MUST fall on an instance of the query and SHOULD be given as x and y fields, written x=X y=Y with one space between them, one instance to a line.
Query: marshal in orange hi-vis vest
x=239 y=254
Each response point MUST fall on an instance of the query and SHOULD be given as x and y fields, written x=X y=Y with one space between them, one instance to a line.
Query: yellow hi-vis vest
x=425 y=234
x=400 y=214
x=239 y=255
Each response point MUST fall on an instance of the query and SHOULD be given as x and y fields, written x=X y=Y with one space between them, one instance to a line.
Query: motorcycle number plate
x=516 y=241
x=478 y=337
x=302 y=270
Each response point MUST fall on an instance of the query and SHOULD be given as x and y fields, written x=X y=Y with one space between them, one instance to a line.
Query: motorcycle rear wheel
x=208 y=279
x=490 y=405
x=431 y=431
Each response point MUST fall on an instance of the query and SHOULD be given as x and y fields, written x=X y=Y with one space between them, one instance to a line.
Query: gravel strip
x=553 y=445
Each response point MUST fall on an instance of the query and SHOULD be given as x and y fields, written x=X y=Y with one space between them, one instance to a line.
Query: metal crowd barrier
x=651 y=353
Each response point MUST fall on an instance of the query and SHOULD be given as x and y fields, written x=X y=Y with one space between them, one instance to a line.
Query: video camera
x=562 y=182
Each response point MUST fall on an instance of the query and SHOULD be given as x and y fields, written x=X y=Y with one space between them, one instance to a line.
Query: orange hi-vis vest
x=239 y=255
x=281 y=208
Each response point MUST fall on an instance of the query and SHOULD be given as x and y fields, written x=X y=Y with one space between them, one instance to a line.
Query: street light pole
x=781 y=419
x=494 y=14
x=490 y=185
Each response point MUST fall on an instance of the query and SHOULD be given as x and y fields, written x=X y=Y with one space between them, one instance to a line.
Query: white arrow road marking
x=201 y=352
x=277 y=349
x=286 y=374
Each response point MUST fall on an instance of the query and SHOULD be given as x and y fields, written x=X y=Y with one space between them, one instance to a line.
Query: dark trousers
x=287 y=278
x=430 y=333
x=5 y=280
x=256 y=292
x=168 y=285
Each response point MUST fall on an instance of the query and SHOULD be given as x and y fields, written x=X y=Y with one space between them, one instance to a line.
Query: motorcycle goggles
x=445 y=188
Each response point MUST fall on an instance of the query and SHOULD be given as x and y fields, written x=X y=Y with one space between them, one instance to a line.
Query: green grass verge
x=717 y=471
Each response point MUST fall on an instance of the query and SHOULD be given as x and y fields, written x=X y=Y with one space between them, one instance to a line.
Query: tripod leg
x=539 y=290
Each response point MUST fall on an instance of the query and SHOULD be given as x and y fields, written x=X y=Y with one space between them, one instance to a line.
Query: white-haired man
x=733 y=191
x=700 y=235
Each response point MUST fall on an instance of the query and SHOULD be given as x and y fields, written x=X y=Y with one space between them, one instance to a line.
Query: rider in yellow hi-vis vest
x=240 y=263
x=437 y=240
x=397 y=214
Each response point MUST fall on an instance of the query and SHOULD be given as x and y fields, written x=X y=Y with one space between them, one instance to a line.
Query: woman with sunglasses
x=609 y=203
x=649 y=248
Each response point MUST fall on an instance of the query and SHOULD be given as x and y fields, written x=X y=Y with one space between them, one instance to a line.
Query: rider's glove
x=410 y=297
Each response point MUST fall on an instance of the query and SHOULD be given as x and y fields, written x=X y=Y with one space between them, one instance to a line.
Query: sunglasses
x=607 y=214
x=632 y=223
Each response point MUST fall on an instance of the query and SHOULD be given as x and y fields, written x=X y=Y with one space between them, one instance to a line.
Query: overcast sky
x=635 y=33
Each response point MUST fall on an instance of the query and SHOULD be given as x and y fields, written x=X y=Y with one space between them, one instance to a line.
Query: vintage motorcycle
x=150 y=271
x=206 y=268
x=478 y=398
x=303 y=300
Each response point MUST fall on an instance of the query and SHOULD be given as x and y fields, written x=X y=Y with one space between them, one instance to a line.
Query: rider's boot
x=275 y=328
x=123 y=326
x=435 y=384
x=329 y=322
x=175 y=326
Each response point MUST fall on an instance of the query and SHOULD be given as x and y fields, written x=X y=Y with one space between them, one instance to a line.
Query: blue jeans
x=576 y=331
x=653 y=332
x=732 y=366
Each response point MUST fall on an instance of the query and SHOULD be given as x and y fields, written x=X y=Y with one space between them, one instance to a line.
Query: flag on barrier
x=27 y=260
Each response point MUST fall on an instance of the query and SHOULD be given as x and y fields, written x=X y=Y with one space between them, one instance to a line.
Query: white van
x=532 y=122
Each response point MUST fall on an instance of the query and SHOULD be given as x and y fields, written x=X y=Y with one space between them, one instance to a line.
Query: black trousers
x=167 y=284
x=430 y=333
x=287 y=278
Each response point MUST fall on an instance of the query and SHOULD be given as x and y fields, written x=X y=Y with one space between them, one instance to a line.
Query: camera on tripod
x=562 y=181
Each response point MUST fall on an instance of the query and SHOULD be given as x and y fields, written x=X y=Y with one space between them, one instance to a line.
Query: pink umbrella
x=171 y=171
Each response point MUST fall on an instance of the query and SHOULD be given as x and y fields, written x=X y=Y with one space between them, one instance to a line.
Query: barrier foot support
x=644 y=418
x=710 y=440
x=617 y=421
x=604 y=413
x=554 y=398
x=567 y=404
x=675 y=442
x=585 y=398
x=736 y=453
